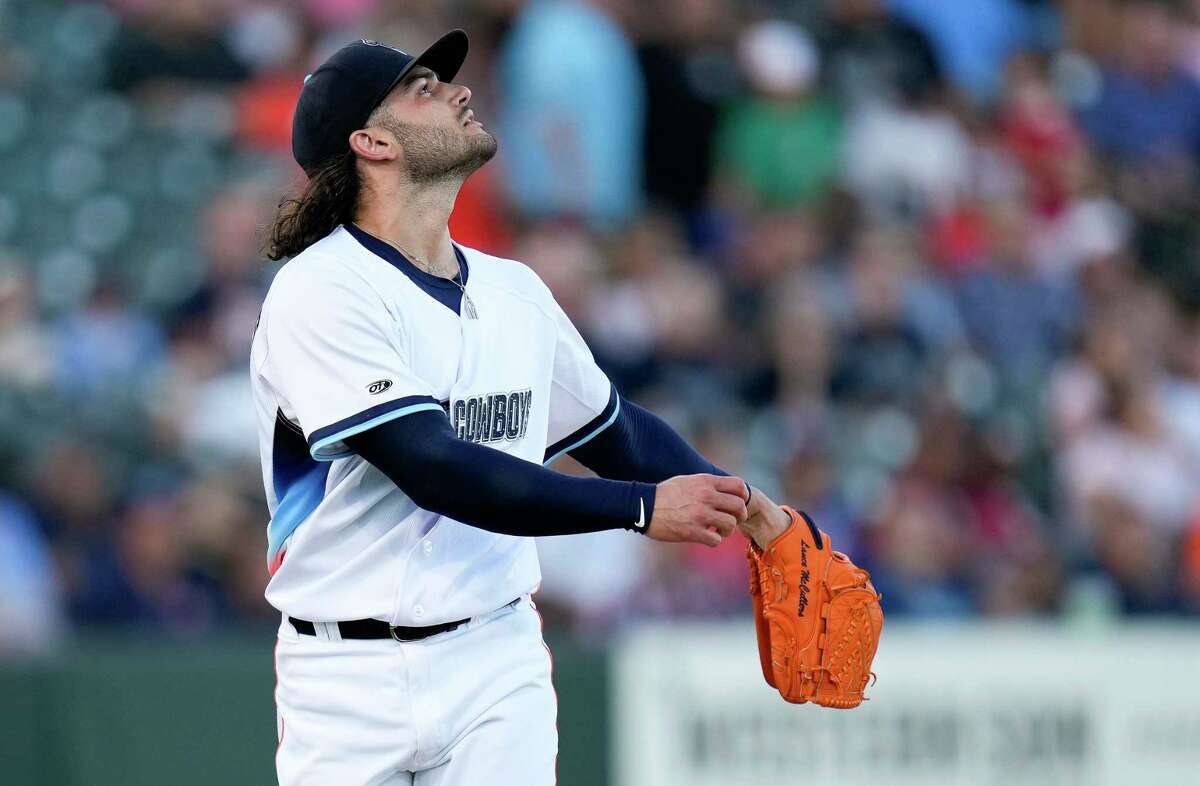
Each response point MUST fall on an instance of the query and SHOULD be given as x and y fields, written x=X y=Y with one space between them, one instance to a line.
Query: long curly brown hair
x=328 y=199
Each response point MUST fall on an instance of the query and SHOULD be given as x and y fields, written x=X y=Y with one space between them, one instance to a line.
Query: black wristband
x=645 y=494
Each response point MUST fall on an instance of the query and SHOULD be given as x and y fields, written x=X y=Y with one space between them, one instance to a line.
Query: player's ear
x=373 y=144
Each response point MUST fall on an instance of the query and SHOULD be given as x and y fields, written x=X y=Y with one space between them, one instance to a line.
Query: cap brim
x=443 y=57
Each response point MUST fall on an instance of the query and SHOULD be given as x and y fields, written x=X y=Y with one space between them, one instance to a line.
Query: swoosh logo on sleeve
x=640 y=524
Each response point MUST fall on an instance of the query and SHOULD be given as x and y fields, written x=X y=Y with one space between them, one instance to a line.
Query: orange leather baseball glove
x=817 y=617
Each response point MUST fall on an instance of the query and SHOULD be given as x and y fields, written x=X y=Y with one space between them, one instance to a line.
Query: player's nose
x=461 y=95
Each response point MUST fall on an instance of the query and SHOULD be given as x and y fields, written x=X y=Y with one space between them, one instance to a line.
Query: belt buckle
x=392 y=633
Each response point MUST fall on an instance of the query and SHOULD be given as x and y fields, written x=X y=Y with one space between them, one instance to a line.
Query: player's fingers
x=707 y=537
x=723 y=523
x=731 y=485
x=733 y=505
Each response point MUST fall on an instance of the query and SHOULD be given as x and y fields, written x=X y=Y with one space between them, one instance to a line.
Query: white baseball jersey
x=352 y=335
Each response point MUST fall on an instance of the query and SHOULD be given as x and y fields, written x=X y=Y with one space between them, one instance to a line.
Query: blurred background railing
x=136 y=711
x=928 y=269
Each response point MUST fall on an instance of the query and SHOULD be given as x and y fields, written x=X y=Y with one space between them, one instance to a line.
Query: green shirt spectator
x=784 y=154
x=778 y=147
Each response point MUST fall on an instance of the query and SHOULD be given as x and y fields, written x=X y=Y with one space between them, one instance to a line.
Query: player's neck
x=414 y=217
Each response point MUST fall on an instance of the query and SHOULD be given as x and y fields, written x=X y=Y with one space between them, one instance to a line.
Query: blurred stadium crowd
x=925 y=268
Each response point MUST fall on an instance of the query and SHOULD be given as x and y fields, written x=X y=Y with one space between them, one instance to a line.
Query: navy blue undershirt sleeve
x=492 y=490
x=639 y=445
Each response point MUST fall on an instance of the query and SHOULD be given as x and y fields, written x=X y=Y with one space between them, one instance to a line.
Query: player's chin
x=482 y=141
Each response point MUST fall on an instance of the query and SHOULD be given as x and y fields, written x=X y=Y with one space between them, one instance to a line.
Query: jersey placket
x=405 y=606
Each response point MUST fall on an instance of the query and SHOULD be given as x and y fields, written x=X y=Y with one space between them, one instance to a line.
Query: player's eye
x=426 y=89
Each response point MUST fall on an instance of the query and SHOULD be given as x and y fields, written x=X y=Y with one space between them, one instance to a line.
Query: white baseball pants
x=471 y=707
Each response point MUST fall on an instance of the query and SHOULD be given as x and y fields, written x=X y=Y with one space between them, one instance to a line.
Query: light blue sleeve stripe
x=583 y=441
x=318 y=447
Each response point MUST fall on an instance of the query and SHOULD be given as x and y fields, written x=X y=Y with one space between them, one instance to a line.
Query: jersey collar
x=443 y=290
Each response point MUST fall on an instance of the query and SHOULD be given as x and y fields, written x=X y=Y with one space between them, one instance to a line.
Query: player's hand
x=765 y=520
x=697 y=509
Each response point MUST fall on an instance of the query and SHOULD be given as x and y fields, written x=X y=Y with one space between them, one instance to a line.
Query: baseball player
x=409 y=391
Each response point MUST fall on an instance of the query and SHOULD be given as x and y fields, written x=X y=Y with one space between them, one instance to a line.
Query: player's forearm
x=493 y=490
x=639 y=445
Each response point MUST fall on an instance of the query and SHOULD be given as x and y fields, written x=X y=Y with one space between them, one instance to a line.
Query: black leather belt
x=378 y=629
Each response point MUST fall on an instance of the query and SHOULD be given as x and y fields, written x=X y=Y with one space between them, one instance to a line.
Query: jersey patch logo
x=378 y=386
x=492 y=417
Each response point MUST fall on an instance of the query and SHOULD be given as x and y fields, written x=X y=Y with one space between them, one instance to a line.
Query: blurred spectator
x=211 y=400
x=919 y=551
x=1146 y=122
x=882 y=353
x=687 y=70
x=1180 y=390
x=1040 y=133
x=974 y=38
x=1017 y=564
x=620 y=323
x=809 y=480
x=801 y=345
x=107 y=345
x=1132 y=456
x=1148 y=109
x=1079 y=388
x=905 y=154
x=26 y=356
x=73 y=491
x=140 y=578
x=1190 y=37
x=893 y=318
x=272 y=40
x=164 y=41
x=1132 y=552
x=218 y=425
x=223 y=308
x=1088 y=239
x=1017 y=318
x=224 y=536
x=31 y=617
x=571 y=121
x=906 y=162
x=779 y=146
x=873 y=57
x=1189 y=567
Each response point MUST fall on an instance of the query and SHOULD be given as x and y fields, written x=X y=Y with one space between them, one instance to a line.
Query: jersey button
x=427 y=547
x=418 y=611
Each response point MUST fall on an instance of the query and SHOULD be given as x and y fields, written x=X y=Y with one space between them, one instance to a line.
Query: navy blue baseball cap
x=340 y=95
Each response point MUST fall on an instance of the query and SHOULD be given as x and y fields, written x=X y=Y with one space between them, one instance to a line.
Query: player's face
x=435 y=127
